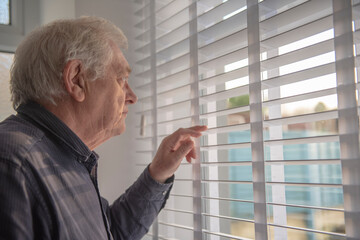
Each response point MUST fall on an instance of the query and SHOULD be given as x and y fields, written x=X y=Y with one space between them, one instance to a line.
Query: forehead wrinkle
x=122 y=71
x=119 y=63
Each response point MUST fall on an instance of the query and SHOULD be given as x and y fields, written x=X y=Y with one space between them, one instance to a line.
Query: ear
x=74 y=80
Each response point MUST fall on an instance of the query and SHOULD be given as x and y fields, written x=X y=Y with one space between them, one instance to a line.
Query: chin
x=119 y=130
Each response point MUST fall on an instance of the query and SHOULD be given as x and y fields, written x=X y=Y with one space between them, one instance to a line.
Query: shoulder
x=17 y=138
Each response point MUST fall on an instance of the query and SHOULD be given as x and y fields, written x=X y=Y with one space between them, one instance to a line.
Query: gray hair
x=36 y=73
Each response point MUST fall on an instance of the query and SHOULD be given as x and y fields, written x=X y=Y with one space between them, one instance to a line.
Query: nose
x=131 y=97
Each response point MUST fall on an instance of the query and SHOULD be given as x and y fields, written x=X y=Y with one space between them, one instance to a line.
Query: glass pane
x=147 y=237
x=174 y=96
x=229 y=227
x=303 y=130
x=231 y=155
x=165 y=128
x=240 y=210
x=227 y=120
x=314 y=173
x=177 y=218
x=172 y=52
x=324 y=150
x=6 y=109
x=227 y=173
x=185 y=171
x=328 y=197
x=229 y=25
x=5 y=12
x=300 y=235
x=308 y=106
x=170 y=232
x=180 y=203
x=167 y=11
x=174 y=22
x=174 y=66
x=238 y=191
x=322 y=220
x=175 y=111
x=182 y=188
x=227 y=138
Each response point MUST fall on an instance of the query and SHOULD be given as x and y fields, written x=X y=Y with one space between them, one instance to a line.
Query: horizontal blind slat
x=299 y=76
x=224 y=112
x=225 y=94
x=302 y=140
x=300 y=97
x=308 y=207
x=299 y=55
x=226 y=129
x=223 y=77
x=299 y=33
x=224 y=235
x=228 y=218
x=306 y=184
x=308 y=230
x=176 y=226
x=294 y=18
x=313 y=117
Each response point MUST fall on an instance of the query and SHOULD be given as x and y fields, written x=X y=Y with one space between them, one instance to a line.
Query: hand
x=172 y=150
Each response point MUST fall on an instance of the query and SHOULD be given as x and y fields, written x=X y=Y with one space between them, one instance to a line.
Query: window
x=17 y=17
x=6 y=109
x=5 y=12
x=274 y=81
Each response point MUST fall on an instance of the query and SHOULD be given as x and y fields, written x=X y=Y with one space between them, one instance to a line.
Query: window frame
x=25 y=15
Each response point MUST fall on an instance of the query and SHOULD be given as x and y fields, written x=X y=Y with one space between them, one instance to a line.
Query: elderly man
x=69 y=86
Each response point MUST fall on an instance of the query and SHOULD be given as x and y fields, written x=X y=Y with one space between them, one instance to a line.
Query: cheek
x=120 y=99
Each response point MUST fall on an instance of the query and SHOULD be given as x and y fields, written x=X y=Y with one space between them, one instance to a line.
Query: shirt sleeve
x=15 y=208
x=133 y=212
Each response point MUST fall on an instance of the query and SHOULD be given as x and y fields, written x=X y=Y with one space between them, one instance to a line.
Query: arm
x=132 y=214
x=15 y=207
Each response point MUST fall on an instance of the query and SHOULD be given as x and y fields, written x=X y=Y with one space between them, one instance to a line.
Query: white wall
x=54 y=9
x=116 y=164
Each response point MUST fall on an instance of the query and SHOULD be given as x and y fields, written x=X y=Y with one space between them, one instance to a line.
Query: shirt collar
x=47 y=120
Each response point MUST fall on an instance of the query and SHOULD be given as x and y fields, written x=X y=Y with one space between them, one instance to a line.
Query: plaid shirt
x=49 y=190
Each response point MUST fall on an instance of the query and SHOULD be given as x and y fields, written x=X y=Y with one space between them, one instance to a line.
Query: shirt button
x=164 y=193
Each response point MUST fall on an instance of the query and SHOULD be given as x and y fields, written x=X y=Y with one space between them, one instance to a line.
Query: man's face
x=110 y=96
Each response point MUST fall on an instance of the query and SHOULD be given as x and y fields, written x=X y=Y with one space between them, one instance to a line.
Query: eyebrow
x=126 y=70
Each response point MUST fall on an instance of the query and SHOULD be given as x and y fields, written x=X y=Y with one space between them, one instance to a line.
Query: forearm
x=132 y=214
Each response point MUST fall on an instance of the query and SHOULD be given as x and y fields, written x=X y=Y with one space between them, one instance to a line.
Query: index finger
x=183 y=133
x=199 y=128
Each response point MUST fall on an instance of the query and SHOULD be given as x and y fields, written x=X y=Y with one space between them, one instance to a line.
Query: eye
x=122 y=80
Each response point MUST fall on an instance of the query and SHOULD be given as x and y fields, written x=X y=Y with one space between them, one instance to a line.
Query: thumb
x=184 y=149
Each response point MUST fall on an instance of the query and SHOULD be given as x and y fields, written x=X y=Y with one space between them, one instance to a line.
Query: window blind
x=276 y=81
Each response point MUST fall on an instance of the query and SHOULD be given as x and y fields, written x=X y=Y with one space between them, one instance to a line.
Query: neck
x=79 y=121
